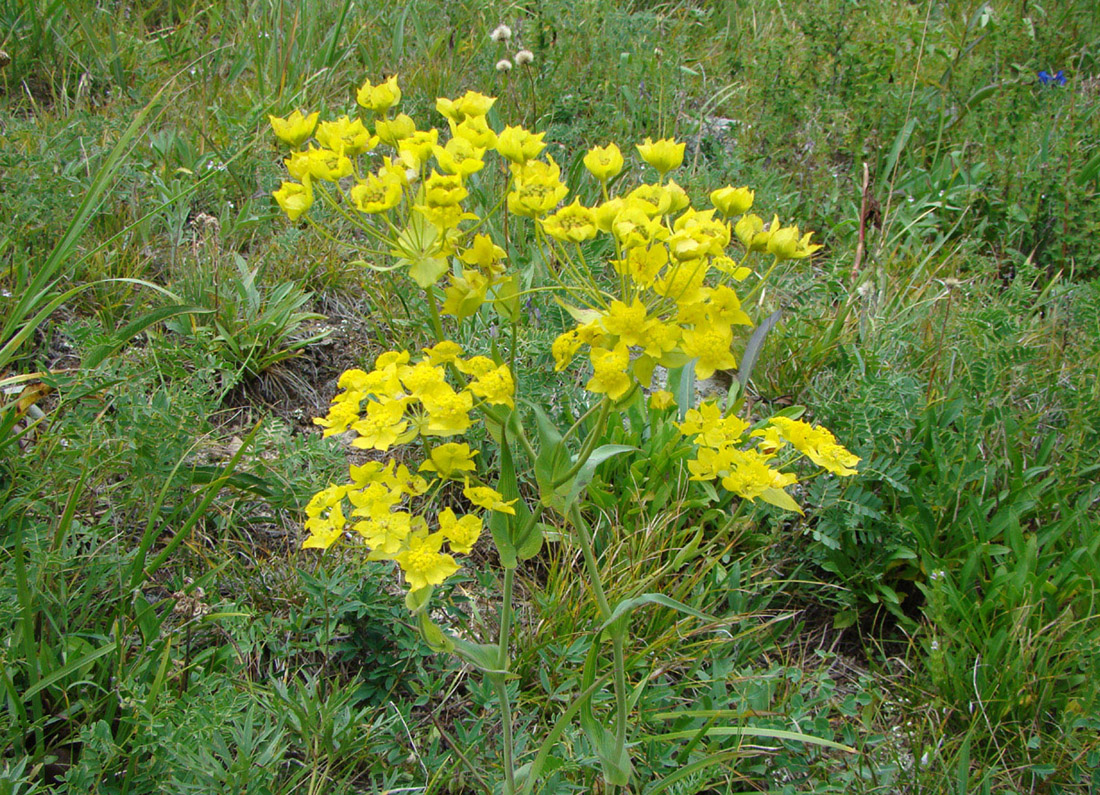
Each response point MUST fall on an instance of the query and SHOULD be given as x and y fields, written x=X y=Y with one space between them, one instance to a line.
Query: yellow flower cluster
x=377 y=515
x=747 y=471
x=394 y=403
x=817 y=444
x=401 y=399
x=672 y=306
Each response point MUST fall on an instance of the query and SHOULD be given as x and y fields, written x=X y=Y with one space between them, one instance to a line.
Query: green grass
x=938 y=612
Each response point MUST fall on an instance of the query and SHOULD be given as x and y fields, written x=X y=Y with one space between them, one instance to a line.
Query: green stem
x=589 y=444
x=433 y=307
x=506 y=618
x=585 y=537
x=618 y=640
x=501 y=683
x=617 y=630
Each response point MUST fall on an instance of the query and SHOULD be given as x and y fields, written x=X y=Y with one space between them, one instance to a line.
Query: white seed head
x=524 y=57
x=502 y=33
x=503 y=65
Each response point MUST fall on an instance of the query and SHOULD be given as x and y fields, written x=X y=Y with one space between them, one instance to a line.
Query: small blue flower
x=1047 y=79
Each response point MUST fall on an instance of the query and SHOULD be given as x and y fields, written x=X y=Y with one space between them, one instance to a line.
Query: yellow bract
x=295 y=129
x=664 y=154
x=604 y=162
x=379 y=98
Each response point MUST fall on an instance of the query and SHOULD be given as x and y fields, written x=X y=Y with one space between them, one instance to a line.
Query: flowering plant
x=667 y=297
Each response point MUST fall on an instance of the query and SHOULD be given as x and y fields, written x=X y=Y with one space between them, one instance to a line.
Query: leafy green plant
x=248 y=330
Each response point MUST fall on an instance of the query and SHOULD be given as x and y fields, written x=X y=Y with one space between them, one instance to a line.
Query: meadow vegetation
x=930 y=623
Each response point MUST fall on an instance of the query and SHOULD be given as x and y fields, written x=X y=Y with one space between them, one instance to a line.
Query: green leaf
x=752 y=731
x=754 y=346
x=433 y=635
x=1090 y=170
x=628 y=606
x=552 y=461
x=506 y=299
x=480 y=655
x=131 y=330
x=584 y=476
x=416 y=601
x=681 y=383
x=65 y=670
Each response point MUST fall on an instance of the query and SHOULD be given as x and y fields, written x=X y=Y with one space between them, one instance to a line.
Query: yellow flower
x=416 y=147
x=459 y=157
x=379 y=98
x=448 y=413
x=731 y=267
x=710 y=428
x=750 y=231
x=723 y=306
x=643 y=264
x=391 y=131
x=462 y=533
x=327 y=165
x=654 y=200
x=606 y=213
x=751 y=476
x=295 y=128
x=571 y=224
x=424 y=564
x=386 y=532
x=345 y=136
x=475 y=130
x=604 y=162
x=634 y=227
x=496 y=387
x=565 y=348
x=609 y=371
x=519 y=145
x=785 y=243
x=817 y=444
x=628 y=323
x=450 y=460
x=442 y=190
x=710 y=343
x=660 y=338
x=536 y=188
x=443 y=352
x=488 y=498
x=469 y=105
x=484 y=254
x=376 y=195
x=678 y=198
x=297 y=165
x=661 y=399
x=382 y=427
x=731 y=201
x=422 y=379
x=294 y=198
x=324 y=531
x=465 y=294
x=343 y=412
x=664 y=155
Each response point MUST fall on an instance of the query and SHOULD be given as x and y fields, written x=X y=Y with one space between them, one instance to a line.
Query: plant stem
x=506 y=618
x=617 y=630
x=501 y=686
x=501 y=683
x=589 y=444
